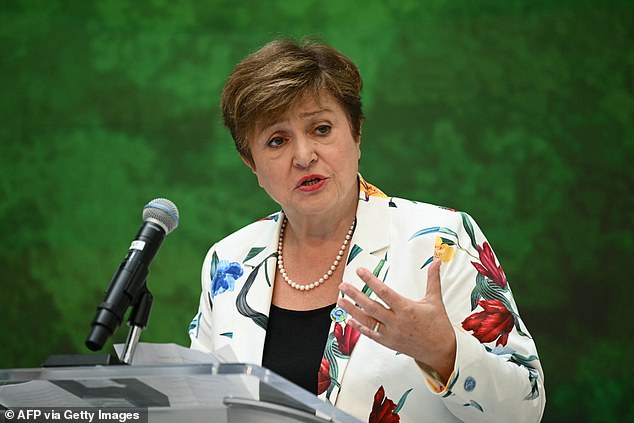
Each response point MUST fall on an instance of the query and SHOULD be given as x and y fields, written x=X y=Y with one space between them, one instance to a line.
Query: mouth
x=310 y=180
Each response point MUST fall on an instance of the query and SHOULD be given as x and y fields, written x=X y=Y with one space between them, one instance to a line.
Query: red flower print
x=346 y=338
x=496 y=321
x=323 y=378
x=382 y=409
x=488 y=267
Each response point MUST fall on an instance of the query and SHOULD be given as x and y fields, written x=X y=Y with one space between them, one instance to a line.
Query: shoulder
x=253 y=230
x=404 y=212
x=240 y=242
x=414 y=220
x=401 y=213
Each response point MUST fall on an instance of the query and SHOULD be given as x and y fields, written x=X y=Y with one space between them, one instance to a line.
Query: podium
x=209 y=392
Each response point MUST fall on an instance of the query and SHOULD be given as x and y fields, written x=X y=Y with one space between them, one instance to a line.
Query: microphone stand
x=137 y=322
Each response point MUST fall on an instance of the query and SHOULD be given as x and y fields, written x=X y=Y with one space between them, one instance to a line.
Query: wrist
x=442 y=367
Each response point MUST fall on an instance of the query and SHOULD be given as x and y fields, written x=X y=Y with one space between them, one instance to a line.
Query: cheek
x=267 y=176
x=354 y=156
x=352 y=150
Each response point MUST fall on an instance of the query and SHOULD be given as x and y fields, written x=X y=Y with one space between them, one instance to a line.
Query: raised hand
x=421 y=329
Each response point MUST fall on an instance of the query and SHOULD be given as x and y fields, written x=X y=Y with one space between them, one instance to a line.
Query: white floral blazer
x=497 y=374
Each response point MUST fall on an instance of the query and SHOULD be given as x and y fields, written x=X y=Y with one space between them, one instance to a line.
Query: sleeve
x=497 y=374
x=200 y=332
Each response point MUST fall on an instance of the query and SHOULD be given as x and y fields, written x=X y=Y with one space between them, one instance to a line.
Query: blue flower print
x=225 y=277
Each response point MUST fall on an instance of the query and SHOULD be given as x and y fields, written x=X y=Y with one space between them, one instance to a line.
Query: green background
x=519 y=112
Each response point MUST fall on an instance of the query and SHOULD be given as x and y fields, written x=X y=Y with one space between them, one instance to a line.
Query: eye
x=323 y=129
x=275 y=142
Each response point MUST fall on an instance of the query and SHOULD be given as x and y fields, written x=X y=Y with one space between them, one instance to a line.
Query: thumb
x=433 y=280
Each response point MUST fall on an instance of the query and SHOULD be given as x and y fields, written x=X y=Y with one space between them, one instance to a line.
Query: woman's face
x=308 y=159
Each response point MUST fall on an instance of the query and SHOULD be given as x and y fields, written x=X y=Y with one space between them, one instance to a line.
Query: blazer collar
x=371 y=239
x=265 y=243
x=372 y=222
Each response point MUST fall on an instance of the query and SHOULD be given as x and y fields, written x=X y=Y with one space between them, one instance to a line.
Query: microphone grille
x=163 y=212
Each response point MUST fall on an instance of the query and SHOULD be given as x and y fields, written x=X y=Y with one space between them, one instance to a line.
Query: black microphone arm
x=128 y=285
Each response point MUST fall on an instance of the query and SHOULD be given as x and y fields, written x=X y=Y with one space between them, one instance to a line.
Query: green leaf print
x=401 y=401
x=243 y=307
x=466 y=222
x=434 y=229
x=354 y=251
x=253 y=252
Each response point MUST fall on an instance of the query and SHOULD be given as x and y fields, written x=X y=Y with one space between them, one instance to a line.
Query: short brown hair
x=269 y=82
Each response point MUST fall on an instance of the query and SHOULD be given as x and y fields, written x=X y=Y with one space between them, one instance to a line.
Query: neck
x=317 y=228
x=330 y=273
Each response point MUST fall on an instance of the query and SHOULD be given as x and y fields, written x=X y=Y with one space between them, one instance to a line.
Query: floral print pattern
x=498 y=318
x=346 y=338
x=224 y=276
x=368 y=190
x=488 y=267
x=495 y=322
x=323 y=378
x=343 y=338
x=443 y=249
x=383 y=409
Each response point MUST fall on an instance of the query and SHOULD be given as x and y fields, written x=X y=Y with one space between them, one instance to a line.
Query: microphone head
x=163 y=212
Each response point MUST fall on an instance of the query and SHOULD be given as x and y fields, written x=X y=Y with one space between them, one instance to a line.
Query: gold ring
x=377 y=325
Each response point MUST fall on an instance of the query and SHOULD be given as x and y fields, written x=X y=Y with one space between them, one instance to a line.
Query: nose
x=305 y=154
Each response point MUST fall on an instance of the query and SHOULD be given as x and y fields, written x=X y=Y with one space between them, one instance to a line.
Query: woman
x=387 y=308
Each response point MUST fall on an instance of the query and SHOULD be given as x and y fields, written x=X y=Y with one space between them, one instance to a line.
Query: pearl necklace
x=328 y=274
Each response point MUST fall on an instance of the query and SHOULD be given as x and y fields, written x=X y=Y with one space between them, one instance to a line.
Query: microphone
x=160 y=217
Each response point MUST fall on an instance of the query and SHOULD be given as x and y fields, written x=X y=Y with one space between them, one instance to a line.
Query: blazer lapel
x=253 y=300
x=370 y=242
x=368 y=248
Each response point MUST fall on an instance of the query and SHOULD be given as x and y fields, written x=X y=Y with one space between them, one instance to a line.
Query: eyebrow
x=313 y=113
x=305 y=115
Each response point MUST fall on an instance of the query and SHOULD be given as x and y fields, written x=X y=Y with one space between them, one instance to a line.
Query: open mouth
x=310 y=182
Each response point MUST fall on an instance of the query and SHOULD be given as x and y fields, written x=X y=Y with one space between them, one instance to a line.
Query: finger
x=366 y=330
x=390 y=297
x=357 y=314
x=433 y=280
x=364 y=308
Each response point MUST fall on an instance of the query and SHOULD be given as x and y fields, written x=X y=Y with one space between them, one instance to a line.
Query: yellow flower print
x=443 y=251
x=369 y=190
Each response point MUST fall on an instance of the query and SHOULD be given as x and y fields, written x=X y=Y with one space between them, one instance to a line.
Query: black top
x=295 y=342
